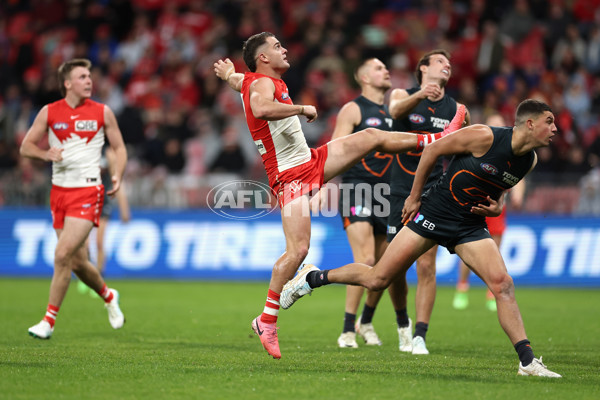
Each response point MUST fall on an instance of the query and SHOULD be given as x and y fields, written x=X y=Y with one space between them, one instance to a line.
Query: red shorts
x=306 y=178
x=85 y=203
x=497 y=225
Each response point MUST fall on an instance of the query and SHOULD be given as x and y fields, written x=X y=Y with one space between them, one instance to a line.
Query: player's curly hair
x=64 y=71
x=425 y=61
x=250 y=47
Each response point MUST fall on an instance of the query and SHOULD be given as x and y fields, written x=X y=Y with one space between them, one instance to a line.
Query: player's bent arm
x=235 y=81
x=401 y=103
x=115 y=139
x=29 y=147
x=347 y=119
x=264 y=107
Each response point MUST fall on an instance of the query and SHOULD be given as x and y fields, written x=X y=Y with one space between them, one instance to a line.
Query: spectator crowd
x=184 y=130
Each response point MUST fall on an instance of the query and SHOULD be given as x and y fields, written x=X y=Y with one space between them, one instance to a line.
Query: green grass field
x=193 y=340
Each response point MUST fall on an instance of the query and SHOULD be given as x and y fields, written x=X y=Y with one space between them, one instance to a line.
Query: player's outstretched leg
x=537 y=368
x=296 y=287
x=268 y=336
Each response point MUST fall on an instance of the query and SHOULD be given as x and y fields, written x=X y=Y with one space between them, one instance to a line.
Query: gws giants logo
x=229 y=199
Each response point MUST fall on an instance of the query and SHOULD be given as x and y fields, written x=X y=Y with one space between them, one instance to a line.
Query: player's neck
x=74 y=101
x=264 y=70
x=521 y=142
x=376 y=95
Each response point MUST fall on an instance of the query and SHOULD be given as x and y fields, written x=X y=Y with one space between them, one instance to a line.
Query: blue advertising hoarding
x=538 y=250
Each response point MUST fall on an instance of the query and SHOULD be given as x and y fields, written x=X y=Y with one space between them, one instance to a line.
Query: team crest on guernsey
x=285 y=96
x=489 y=168
x=373 y=121
x=416 y=118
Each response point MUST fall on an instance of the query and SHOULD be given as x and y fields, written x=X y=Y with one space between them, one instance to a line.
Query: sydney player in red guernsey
x=293 y=169
x=76 y=127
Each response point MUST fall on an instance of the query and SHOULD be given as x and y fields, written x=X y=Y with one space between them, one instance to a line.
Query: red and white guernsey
x=80 y=132
x=281 y=143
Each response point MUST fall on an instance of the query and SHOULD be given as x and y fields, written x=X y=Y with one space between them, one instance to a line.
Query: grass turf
x=193 y=340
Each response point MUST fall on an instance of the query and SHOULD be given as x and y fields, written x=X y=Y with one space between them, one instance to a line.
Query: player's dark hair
x=64 y=71
x=425 y=61
x=251 y=46
x=530 y=108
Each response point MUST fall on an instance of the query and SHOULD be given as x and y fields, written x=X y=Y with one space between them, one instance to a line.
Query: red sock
x=424 y=140
x=106 y=294
x=51 y=313
x=271 y=310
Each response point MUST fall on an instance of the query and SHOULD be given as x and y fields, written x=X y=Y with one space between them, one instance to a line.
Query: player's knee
x=300 y=252
x=426 y=270
x=373 y=135
x=377 y=283
x=502 y=286
x=62 y=258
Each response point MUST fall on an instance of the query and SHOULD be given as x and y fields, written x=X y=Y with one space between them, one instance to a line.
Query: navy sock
x=525 y=352
x=349 y=320
x=402 y=318
x=367 y=314
x=316 y=279
x=421 y=329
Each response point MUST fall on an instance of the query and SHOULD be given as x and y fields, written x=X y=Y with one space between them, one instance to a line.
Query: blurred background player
x=76 y=127
x=107 y=170
x=422 y=109
x=364 y=227
x=496 y=226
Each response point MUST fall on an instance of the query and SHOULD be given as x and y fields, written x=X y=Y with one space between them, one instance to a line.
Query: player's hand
x=494 y=208
x=224 y=69
x=54 y=154
x=116 y=184
x=432 y=90
x=310 y=112
x=411 y=208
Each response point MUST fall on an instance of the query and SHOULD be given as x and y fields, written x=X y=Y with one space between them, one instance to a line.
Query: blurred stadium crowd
x=186 y=131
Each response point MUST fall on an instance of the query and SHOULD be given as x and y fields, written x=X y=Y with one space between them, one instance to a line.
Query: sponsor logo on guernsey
x=416 y=118
x=373 y=121
x=86 y=126
x=489 y=168
x=60 y=126
x=74 y=116
x=285 y=96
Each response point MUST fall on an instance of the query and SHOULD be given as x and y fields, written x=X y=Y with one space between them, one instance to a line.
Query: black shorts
x=363 y=206
x=395 y=219
x=448 y=232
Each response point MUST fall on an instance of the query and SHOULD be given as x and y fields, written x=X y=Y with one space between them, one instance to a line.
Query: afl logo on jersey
x=60 y=126
x=285 y=96
x=416 y=118
x=489 y=168
x=373 y=121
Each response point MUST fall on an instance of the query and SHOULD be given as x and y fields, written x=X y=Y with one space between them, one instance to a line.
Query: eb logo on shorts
x=426 y=224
